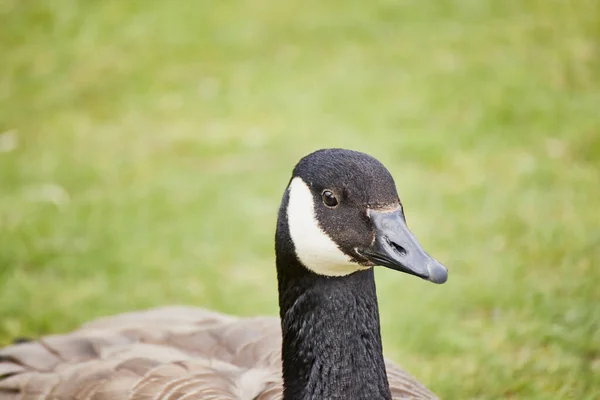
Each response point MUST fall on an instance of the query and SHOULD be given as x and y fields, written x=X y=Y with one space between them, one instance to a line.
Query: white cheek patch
x=314 y=248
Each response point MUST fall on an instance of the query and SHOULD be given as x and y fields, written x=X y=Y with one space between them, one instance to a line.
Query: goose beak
x=397 y=248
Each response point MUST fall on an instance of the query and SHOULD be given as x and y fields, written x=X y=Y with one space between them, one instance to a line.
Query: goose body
x=340 y=217
x=165 y=353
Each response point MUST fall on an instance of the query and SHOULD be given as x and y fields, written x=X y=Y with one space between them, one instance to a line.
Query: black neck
x=331 y=333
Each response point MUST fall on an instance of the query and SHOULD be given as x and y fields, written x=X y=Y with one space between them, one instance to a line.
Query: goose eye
x=329 y=198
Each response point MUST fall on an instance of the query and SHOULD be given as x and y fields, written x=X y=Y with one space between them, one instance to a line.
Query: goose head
x=344 y=215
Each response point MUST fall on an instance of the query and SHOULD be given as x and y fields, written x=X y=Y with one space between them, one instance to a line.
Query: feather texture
x=164 y=353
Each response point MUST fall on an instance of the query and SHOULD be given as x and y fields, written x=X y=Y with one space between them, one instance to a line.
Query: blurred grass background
x=145 y=145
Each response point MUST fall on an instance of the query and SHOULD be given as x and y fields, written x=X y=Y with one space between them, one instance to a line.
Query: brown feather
x=161 y=354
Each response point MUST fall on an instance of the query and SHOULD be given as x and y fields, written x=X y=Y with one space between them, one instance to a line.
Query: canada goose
x=340 y=216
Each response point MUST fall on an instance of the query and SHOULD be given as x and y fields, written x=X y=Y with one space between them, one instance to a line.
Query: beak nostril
x=399 y=249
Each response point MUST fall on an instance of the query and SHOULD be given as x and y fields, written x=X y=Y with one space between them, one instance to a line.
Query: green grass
x=146 y=146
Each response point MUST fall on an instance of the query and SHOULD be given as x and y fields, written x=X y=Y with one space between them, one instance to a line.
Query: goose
x=340 y=218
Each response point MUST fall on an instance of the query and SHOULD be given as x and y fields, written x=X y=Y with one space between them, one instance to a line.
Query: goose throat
x=331 y=340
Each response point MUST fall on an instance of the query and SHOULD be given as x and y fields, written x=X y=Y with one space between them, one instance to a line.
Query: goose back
x=164 y=353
